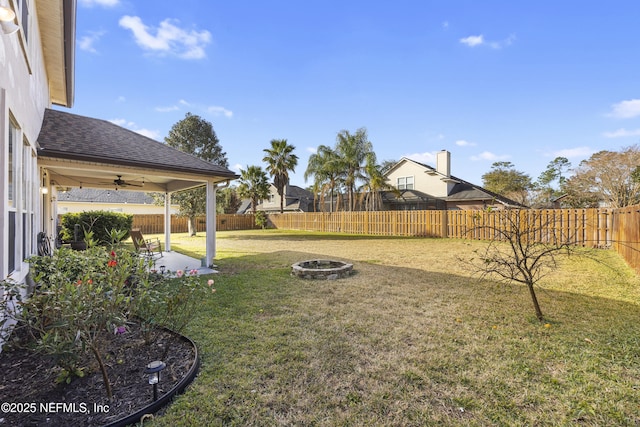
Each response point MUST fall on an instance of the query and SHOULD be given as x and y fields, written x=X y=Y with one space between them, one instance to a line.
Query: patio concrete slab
x=174 y=261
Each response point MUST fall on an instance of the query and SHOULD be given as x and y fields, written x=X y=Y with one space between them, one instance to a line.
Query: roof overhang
x=57 y=22
x=84 y=174
x=80 y=151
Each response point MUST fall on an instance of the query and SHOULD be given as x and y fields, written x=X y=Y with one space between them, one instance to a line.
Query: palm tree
x=280 y=160
x=354 y=150
x=254 y=185
x=375 y=184
x=325 y=166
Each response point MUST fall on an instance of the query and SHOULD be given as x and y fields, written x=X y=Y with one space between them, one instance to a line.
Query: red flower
x=112 y=263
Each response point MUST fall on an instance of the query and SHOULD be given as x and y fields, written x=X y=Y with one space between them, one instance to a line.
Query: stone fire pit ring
x=322 y=269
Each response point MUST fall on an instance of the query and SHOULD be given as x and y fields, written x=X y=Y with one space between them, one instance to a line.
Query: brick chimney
x=443 y=163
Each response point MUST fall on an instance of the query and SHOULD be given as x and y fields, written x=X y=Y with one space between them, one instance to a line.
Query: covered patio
x=83 y=152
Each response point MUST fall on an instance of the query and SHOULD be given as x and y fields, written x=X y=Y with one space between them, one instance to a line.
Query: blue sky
x=517 y=81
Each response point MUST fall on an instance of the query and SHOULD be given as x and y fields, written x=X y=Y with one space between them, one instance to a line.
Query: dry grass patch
x=411 y=339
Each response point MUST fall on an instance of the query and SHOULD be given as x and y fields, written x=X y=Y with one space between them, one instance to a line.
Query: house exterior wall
x=24 y=95
x=427 y=183
x=273 y=202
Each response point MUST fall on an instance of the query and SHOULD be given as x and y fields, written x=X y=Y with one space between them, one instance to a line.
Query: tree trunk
x=192 y=226
x=282 y=202
x=536 y=306
x=103 y=370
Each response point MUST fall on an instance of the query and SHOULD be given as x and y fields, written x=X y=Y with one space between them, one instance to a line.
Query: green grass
x=411 y=339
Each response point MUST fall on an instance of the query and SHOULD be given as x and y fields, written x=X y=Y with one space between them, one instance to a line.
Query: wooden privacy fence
x=586 y=227
x=598 y=228
x=154 y=224
x=382 y=223
x=626 y=234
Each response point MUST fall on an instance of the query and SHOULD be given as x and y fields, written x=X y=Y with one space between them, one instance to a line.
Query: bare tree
x=523 y=247
x=606 y=177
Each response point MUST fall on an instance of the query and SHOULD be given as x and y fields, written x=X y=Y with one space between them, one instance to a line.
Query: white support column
x=167 y=222
x=211 y=223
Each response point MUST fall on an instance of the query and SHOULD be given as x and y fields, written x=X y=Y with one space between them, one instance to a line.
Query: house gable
x=437 y=187
x=296 y=199
x=425 y=178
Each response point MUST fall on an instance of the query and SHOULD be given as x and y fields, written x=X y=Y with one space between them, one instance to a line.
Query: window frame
x=402 y=182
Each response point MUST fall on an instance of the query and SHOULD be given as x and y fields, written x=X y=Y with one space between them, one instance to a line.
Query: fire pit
x=322 y=269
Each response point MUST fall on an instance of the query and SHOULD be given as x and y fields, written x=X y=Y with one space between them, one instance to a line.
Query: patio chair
x=146 y=246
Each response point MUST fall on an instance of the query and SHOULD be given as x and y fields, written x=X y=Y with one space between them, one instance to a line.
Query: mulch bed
x=30 y=396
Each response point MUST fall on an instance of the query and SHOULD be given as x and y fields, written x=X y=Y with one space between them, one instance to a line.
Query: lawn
x=411 y=339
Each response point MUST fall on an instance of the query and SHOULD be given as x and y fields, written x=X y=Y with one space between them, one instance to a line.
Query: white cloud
x=312 y=150
x=463 y=143
x=621 y=133
x=220 y=111
x=121 y=99
x=472 y=41
x=237 y=167
x=167 y=109
x=168 y=39
x=153 y=134
x=87 y=42
x=133 y=127
x=445 y=25
x=487 y=155
x=577 y=152
x=211 y=109
x=427 y=157
x=122 y=122
x=625 y=109
x=104 y=3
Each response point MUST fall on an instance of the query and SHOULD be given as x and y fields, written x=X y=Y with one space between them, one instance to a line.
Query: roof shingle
x=73 y=137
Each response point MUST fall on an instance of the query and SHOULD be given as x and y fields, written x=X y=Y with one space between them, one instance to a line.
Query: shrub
x=98 y=224
x=82 y=297
x=261 y=219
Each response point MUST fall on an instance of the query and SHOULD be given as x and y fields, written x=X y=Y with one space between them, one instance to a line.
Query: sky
x=489 y=81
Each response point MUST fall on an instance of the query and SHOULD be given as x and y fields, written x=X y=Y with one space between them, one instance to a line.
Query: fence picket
x=599 y=228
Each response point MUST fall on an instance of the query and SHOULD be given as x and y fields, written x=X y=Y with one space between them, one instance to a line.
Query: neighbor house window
x=405 y=183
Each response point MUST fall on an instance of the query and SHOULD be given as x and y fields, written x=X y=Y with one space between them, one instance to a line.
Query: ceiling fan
x=119 y=182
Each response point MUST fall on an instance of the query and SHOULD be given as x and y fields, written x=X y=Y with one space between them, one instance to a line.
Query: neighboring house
x=112 y=200
x=296 y=199
x=42 y=149
x=424 y=187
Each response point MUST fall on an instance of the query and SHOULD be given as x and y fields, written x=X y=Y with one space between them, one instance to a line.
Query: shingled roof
x=72 y=137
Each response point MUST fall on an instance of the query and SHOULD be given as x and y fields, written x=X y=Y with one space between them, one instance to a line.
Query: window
x=405 y=183
x=23 y=6
x=13 y=132
x=22 y=195
x=28 y=192
x=12 y=160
